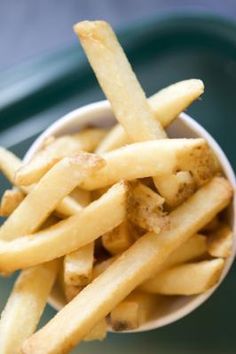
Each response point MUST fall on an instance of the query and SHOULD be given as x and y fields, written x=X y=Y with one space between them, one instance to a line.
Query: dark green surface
x=162 y=51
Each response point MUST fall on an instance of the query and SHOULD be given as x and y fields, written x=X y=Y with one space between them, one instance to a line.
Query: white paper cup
x=99 y=114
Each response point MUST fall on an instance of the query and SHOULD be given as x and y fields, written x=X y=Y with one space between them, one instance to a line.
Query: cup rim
x=100 y=108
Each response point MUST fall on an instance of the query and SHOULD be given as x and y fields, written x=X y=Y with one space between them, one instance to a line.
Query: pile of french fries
x=118 y=221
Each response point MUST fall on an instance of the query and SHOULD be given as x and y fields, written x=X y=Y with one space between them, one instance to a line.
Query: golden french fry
x=136 y=309
x=45 y=196
x=176 y=187
x=10 y=201
x=212 y=225
x=100 y=267
x=118 y=80
x=121 y=86
x=89 y=138
x=169 y=102
x=25 y=305
x=65 y=146
x=165 y=104
x=71 y=291
x=9 y=164
x=119 y=239
x=145 y=208
x=152 y=158
x=116 y=138
x=81 y=196
x=220 y=242
x=98 y=332
x=186 y=279
x=134 y=266
x=68 y=235
x=78 y=266
x=193 y=248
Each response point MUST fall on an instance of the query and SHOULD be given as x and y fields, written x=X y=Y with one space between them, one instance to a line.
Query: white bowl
x=99 y=114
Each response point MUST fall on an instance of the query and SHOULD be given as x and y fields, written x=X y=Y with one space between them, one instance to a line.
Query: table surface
x=31 y=28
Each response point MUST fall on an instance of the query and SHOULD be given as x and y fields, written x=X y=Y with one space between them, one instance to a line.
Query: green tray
x=162 y=50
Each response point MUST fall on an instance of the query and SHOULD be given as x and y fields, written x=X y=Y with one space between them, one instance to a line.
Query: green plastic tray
x=162 y=50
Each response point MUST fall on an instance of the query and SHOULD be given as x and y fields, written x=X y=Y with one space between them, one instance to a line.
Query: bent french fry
x=10 y=201
x=68 y=235
x=25 y=305
x=153 y=158
x=145 y=208
x=220 y=242
x=166 y=105
x=78 y=266
x=118 y=80
x=119 y=239
x=134 y=266
x=98 y=332
x=136 y=309
x=186 y=279
x=46 y=195
x=65 y=146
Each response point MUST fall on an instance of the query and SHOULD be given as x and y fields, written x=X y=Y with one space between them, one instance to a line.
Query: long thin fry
x=128 y=271
x=186 y=279
x=9 y=164
x=25 y=305
x=65 y=146
x=152 y=158
x=118 y=80
x=166 y=106
x=68 y=235
x=10 y=201
x=46 y=195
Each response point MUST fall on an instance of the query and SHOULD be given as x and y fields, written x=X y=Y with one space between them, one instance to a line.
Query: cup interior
x=100 y=115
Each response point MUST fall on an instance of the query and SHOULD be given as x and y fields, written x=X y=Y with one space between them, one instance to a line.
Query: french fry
x=81 y=196
x=169 y=102
x=145 y=208
x=25 y=305
x=71 y=291
x=212 y=225
x=89 y=138
x=122 y=88
x=78 y=266
x=44 y=197
x=220 y=242
x=65 y=146
x=68 y=235
x=118 y=80
x=186 y=279
x=132 y=312
x=176 y=187
x=100 y=267
x=9 y=164
x=166 y=106
x=152 y=158
x=116 y=138
x=98 y=332
x=10 y=201
x=131 y=269
x=119 y=239
x=193 y=248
